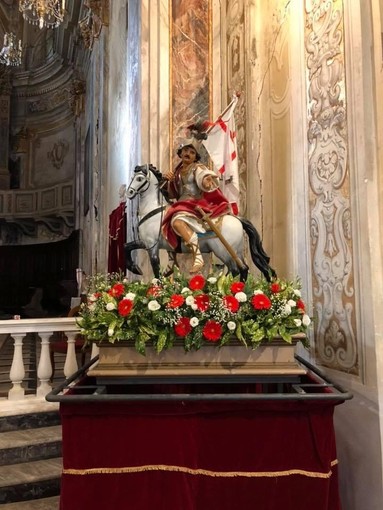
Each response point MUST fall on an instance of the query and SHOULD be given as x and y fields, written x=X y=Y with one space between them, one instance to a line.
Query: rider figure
x=191 y=184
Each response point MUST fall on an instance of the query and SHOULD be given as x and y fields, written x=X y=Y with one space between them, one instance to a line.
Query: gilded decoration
x=92 y=23
x=331 y=242
x=190 y=65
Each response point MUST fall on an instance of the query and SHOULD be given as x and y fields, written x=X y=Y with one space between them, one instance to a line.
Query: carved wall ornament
x=235 y=49
x=92 y=23
x=57 y=154
x=77 y=96
x=334 y=297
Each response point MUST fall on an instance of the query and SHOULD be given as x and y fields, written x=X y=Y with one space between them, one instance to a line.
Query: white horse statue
x=151 y=209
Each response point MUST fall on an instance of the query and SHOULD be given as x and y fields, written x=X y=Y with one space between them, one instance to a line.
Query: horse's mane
x=157 y=174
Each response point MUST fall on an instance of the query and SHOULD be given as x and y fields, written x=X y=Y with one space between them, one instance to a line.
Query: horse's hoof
x=197 y=268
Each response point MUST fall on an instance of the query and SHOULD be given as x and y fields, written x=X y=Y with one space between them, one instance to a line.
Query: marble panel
x=190 y=65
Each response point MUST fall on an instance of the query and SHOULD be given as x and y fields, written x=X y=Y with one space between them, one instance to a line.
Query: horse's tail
x=130 y=264
x=258 y=254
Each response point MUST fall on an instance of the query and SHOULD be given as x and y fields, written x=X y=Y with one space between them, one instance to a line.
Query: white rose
x=155 y=281
x=297 y=292
x=306 y=320
x=257 y=291
x=110 y=306
x=130 y=295
x=194 y=322
x=154 y=305
x=110 y=331
x=298 y=322
x=241 y=297
x=292 y=303
x=287 y=309
x=231 y=325
x=185 y=290
x=194 y=307
x=92 y=298
x=92 y=307
x=212 y=279
x=190 y=300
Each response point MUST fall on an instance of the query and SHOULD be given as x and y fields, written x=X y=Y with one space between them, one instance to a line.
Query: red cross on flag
x=221 y=144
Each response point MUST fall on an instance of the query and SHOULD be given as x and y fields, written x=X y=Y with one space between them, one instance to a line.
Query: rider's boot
x=198 y=261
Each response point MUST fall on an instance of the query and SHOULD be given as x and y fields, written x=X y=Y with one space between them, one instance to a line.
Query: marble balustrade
x=44 y=328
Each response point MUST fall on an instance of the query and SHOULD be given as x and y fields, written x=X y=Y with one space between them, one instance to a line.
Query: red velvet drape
x=199 y=456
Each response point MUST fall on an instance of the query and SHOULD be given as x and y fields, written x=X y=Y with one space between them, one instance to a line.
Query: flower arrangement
x=198 y=310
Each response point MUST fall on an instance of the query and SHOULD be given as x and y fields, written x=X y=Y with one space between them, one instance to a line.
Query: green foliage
x=196 y=310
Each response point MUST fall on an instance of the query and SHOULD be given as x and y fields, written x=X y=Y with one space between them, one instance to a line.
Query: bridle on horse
x=140 y=189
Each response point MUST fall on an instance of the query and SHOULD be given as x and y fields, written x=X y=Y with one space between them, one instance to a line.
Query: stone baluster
x=44 y=369
x=70 y=366
x=17 y=372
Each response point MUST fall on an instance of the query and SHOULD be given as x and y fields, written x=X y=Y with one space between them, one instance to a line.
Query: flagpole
x=236 y=96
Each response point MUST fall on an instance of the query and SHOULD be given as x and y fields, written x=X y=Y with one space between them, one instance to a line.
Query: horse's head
x=141 y=179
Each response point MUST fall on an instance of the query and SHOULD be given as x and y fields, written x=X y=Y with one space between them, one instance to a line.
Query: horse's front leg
x=154 y=261
x=172 y=261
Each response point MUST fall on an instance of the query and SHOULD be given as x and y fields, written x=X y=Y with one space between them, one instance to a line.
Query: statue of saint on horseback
x=199 y=220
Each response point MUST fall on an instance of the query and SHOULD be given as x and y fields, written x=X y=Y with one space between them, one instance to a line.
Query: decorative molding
x=57 y=155
x=235 y=50
x=91 y=25
x=334 y=299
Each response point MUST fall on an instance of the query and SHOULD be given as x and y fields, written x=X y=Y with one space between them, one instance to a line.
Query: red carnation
x=197 y=282
x=275 y=287
x=154 y=291
x=212 y=331
x=97 y=294
x=261 y=302
x=231 y=303
x=117 y=290
x=202 y=301
x=301 y=306
x=125 y=307
x=237 y=287
x=183 y=327
x=176 y=301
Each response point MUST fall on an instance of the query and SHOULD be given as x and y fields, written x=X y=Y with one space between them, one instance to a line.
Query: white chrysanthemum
x=287 y=309
x=154 y=305
x=92 y=298
x=297 y=292
x=110 y=331
x=194 y=307
x=212 y=279
x=241 y=297
x=231 y=325
x=110 y=306
x=185 y=290
x=194 y=322
x=190 y=300
x=292 y=303
x=306 y=320
x=130 y=295
x=258 y=291
x=298 y=322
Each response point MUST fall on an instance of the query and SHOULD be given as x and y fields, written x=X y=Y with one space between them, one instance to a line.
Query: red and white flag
x=221 y=144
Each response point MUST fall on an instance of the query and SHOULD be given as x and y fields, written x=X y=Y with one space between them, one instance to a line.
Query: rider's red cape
x=213 y=203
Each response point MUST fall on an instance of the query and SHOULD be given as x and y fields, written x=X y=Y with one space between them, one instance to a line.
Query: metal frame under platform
x=312 y=385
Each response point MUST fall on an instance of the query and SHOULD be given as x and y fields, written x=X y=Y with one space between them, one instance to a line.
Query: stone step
x=35 y=504
x=29 y=421
x=31 y=480
x=28 y=445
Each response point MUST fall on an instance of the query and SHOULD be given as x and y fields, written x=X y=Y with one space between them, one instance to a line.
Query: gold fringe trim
x=203 y=472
